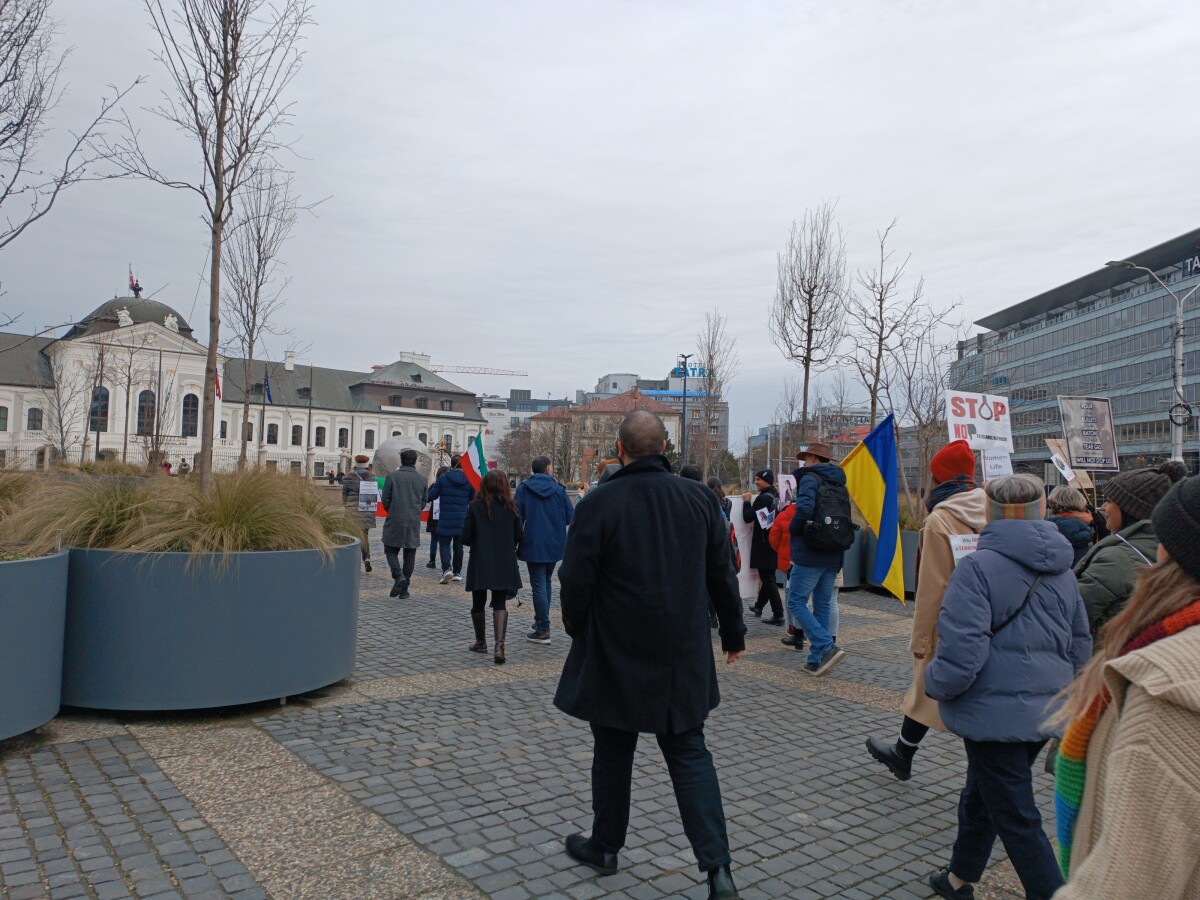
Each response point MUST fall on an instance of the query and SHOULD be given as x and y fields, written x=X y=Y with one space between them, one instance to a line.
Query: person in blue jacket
x=545 y=513
x=1012 y=633
x=455 y=493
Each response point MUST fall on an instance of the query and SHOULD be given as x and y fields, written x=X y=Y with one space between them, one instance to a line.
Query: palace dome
x=105 y=317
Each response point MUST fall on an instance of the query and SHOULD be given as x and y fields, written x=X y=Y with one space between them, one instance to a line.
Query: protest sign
x=368 y=495
x=962 y=545
x=982 y=420
x=1088 y=428
x=995 y=464
x=1081 y=480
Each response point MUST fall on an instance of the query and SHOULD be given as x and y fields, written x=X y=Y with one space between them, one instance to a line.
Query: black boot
x=898 y=762
x=499 y=627
x=720 y=884
x=756 y=610
x=398 y=586
x=404 y=590
x=480 y=645
x=583 y=850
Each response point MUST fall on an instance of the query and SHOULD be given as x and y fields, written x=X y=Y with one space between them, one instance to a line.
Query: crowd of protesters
x=1037 y=618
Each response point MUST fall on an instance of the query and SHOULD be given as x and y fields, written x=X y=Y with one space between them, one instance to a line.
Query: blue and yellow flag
x=871 y=478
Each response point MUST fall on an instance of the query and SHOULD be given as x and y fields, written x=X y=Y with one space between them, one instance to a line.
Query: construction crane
x=478 y=370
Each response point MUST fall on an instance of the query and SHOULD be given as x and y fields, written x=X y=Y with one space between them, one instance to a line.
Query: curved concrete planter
x=908 y=549
x=145 y=631
x=33 y=603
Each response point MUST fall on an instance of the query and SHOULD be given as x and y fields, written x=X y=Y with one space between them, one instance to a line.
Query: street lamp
x=1181 y=413
x=684 y=357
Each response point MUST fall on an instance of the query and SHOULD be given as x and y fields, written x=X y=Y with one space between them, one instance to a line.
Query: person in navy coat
x=545 y=514
x=455 y=494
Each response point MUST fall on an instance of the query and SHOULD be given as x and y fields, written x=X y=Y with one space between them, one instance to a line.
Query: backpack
x=831 y=530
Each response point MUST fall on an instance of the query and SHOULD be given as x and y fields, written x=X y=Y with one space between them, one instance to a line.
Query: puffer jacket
x=1077 y=531
x=1108 y=571
x=1002 y=687
x=456 y=493
x=781 y=538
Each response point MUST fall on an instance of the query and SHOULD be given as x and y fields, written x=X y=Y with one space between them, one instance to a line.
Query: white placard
x=368 y=495
x=995 y=464
x=982 y=420
x=786 y=485
x=963 y=545
x=1064 y=470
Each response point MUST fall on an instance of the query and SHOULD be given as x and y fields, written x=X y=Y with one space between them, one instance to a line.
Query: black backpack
x=831 y=530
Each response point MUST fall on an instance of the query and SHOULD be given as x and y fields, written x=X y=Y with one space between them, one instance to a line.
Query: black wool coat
x=493 y=540
x=643 y=558
x=762 y=554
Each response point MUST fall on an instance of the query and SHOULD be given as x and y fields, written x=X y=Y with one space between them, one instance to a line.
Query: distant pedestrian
x=1126 y=793
x=545 y=514
x=1067 y=509
x=329 y=476
x=763 y=558
x=166 y=467
x=643 y=557
x=184 y=469
x=957 y=510
x=1107 y=572
x=340 y=477
x=455 y=493
x=433 y=507
x=1012 y=633
x=492 y=529
x=402 y=497
x=351 y=484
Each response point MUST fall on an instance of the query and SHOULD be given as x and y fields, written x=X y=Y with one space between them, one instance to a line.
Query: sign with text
x=1091 y=438
x=982 y=420
x=995 y=464
x=963 y=545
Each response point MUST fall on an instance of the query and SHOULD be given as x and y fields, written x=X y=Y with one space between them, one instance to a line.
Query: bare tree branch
x=718 y=356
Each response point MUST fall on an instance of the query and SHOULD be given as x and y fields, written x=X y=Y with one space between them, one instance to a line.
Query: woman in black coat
x=762 y=554
x=492 y=529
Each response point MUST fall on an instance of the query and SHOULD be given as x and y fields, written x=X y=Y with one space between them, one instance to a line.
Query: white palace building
x=127 y=383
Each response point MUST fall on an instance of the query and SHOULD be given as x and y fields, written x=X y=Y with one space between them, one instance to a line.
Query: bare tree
x=253 y=290
x=807 y=318
x=65 y=401
x=879 y=319
x=129 y=369
x=30 y=72
x=514 y=451
x=158 y=433
x=229 y=63
x=719 y=364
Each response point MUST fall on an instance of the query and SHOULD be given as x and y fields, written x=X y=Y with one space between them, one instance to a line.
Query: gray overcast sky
x=566 y=187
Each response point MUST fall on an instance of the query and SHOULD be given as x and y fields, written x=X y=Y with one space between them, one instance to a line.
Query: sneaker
x=457 y=577
x=446 y=576
x=940 y=882
x=538 y=637
x=832 y=657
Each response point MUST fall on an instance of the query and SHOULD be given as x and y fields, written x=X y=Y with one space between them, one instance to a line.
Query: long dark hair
x=495 y=489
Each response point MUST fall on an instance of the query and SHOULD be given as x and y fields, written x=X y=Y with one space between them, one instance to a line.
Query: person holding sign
x=360 y=494
x=957 y=513
x=762 y=554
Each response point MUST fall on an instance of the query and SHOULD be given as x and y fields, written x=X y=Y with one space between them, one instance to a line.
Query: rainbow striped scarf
x=1070 y=770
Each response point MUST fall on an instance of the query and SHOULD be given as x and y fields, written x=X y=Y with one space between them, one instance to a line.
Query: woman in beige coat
x=957 y=509
x=1127 y=799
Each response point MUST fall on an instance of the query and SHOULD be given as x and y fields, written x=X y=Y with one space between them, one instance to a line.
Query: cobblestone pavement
x=433 y=773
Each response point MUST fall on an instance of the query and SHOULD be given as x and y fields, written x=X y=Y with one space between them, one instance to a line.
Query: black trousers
x=768 y=592
x=479 y=600
x=392 y=555
x=998 y=800
x=696 y=791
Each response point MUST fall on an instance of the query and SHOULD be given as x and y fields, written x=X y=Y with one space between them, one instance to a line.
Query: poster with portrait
x=786 y=485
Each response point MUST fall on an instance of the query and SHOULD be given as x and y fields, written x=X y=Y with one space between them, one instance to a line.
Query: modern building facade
x=1106 y=334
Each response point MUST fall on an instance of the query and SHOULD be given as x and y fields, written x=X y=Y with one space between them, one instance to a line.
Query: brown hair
x=1161 y=590
x=495 y=489
x=442 y=470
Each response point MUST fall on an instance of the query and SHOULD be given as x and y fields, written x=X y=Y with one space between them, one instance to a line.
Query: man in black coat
x=762 y=554
x=643 y=558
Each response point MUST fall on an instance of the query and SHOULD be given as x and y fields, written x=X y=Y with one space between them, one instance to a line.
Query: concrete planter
x=852 y=560
x=146 y=631
x=908 y=550
x=33 y=603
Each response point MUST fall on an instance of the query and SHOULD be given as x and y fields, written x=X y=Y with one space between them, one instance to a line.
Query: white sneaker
x=446 y=576
x=458 y=578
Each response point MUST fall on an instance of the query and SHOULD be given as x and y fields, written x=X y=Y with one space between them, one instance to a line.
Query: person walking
x=1012 y=633
x=184 y=469
x=763 y=558
x=957 y=509
x=545 y=514
x=814 y=569
x=434 y=507
x=1126 y=794
x=643 y=558
x=492 y=529
x=455 y=493
x=402 y=497
x=1107 y=572
x=351 y=483
x=1067 y=509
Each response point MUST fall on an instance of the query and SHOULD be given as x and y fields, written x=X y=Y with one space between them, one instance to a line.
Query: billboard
x=1091 y=439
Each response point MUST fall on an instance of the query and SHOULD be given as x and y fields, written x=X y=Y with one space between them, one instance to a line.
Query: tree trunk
x=208 y=430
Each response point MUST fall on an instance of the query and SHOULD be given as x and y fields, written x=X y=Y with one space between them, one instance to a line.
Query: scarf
x=944 y=490
x=1070 y=771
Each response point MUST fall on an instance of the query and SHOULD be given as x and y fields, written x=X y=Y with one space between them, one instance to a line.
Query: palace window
x=421 y=403
x=272 y=434
x=297 y=435
x=98 y=413
x=343 y=437
x=33 y=419
x=145 y=413
x=319 y=436
x=369 y=439
x=447 y=405
x=3 y=418
x=191 y=415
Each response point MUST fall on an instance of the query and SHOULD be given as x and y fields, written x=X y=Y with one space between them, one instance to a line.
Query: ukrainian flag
x=871 y=476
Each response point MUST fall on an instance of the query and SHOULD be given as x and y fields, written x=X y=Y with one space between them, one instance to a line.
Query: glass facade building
x=1107 y=334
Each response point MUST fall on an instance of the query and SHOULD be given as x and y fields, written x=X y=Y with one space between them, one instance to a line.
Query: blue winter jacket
x=1002 y=688
x=545 y=513
x=1077 y=532
x=455 y=492
x=808 y=479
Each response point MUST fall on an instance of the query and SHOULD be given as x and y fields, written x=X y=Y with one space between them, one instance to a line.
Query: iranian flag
x=474 y=465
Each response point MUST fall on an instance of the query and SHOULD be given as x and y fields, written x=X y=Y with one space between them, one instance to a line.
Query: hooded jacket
x=455 y=492
x=1075 y=530
x=1002 y=687
x=1135 y=834
x=808 y=480
x=1107 y=572
x=545 y=514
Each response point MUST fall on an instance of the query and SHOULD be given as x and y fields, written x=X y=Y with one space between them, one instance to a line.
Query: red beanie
x=956 y=458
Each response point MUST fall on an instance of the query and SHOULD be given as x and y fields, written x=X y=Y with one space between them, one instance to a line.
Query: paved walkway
x=433 y=773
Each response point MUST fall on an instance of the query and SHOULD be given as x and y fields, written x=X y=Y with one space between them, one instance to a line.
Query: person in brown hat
x=815 y=452
x=1108 y=572
x=365 y=518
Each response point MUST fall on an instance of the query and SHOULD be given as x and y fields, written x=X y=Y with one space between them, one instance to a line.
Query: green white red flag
x=474 y=465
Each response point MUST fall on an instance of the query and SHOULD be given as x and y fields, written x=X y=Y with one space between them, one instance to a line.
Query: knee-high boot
x=480 y=645
x=499 y=627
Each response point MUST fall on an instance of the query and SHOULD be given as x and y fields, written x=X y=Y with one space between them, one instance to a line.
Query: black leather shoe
x=582 y=850
x=886 y=754
x=774 y=620
x=720 y=884
x=756 y=610
x=940 y=882
x=398 y=585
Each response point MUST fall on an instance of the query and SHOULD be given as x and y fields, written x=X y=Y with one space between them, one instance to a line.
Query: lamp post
x=684 y=357
x=1180 y=413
